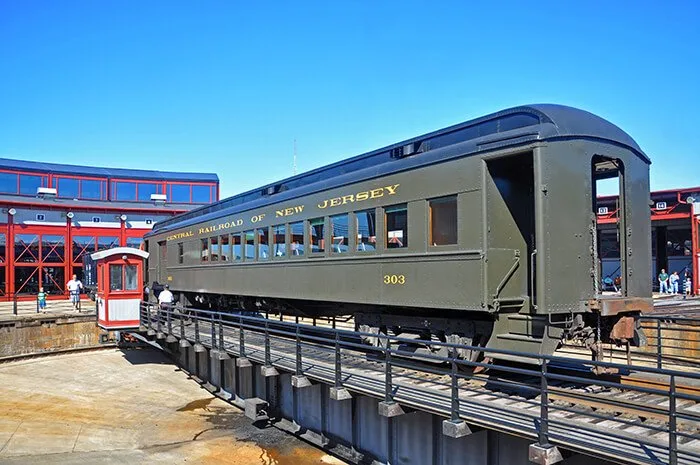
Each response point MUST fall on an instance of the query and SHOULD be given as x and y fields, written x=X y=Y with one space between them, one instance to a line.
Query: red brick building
x=51 y=215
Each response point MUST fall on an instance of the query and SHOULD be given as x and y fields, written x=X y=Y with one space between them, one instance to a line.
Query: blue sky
x=227 y=86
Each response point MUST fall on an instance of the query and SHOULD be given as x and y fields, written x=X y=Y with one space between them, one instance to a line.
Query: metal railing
x=555 y=400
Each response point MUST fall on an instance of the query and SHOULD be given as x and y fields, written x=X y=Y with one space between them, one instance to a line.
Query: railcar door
x=162 y=262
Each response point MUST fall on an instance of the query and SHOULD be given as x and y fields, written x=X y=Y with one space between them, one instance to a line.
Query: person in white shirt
x=74 y=287
x=165 y=298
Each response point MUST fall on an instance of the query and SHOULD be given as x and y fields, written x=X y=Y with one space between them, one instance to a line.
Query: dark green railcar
x=483 y=233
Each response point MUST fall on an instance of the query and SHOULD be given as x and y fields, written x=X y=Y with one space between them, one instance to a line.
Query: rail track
x=653 y=420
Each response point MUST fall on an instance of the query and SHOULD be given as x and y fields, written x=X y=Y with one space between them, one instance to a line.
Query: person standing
x=74 y=287
x=663 y=281
x=673 y=281
x=165 y=298
x=41 y=298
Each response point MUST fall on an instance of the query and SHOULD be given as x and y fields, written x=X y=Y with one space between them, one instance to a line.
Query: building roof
x=510 y=127
x=56 y=168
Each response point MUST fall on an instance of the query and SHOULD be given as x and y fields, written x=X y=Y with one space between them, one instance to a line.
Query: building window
x=316 y=227
x=107 y=242
x=224 y=248
x=236 y=246
x=396 y=226
x=339 y=226
x=52 y=248
x=116 y=281
x=443 y=220
x=200 y=194
x=91 y=189
x=131 y=276
x=145 y=189
x=8 y=183
x=214 y=248
x=366 y=230
x=68 y=188
x=263 y=250
x=279 y=241
x=82 y=245
x=180 y=193
x=249 y=245
x=28 y=184
x=296 y=231
x=204 y=255
x=180 y=253
x=134 y=242
x=124 y=191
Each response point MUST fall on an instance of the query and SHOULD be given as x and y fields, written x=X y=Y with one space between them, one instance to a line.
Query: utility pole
x=294 y=165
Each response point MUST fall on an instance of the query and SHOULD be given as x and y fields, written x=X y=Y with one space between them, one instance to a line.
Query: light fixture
x=70 y=215
x=690 y=199
x=122 y=217
x=124 y=257
x=12 y=211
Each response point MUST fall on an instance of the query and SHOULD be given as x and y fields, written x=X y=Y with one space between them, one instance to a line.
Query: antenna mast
x=294 y=165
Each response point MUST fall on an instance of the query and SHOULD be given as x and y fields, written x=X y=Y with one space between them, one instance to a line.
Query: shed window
x=146 y=189
x=8 y=183
x=180 y=193
x=296 y=231
x=366 y=230
x=279 y=238
x=249 y=245
x=116 y=280
x=200 y=194
x=124 y=191
x=397 y=226
x=339 y=224
x=68 y=188
x=443 y=221
x=28 y=184
x=132 y=276
x=316 y=227
x=204 y=250
x=91 y=189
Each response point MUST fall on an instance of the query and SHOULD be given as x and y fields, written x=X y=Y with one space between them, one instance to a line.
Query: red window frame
x=18 y=173
x=113 y=188
x=80 y=179
x=213 y=190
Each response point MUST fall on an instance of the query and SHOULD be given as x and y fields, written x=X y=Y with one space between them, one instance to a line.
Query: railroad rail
x=555 y=401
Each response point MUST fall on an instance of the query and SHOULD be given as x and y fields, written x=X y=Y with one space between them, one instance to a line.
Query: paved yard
x=119 y=407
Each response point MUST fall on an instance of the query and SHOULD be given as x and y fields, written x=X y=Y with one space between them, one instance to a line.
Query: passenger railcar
x=482 y=233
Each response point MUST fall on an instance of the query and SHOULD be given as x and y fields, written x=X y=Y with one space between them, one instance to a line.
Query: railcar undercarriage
x=479 y=330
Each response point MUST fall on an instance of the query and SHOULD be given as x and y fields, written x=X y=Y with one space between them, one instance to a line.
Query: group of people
x=74 y=286
x=669 y=284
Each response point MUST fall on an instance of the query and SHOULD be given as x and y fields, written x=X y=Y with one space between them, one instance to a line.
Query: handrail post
x=659 y=354
x=221 y=333
x=672 y=436
x=455 y=387
x=298 y=352
x=338 y=375
x=387 y=372
x=241 y=337
x=543 y=438
x=213 y=332
x=268 y=361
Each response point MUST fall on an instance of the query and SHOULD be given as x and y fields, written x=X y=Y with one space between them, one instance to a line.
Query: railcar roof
x=121 y=173
x=514 y=126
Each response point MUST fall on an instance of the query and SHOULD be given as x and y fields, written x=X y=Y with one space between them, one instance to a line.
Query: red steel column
x=696 y=246
x=10 y=257
x=69 y=251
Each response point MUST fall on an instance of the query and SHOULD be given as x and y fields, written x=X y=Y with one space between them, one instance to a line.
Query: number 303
x=394 y=279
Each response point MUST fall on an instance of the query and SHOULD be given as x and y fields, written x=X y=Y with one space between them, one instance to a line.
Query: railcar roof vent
x=272 y=190
x=408 y=149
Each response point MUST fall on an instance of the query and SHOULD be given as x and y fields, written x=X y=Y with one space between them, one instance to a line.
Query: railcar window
x=366 y=230
x=296 y=231
x=339 y=225
x=249 y=245
x=180 y=253
x=236 y=247
x=116 y=280
x=396 y=226
x=443 y=220
x=205 y=250
x=214 y=249
x=131 y=275
x=280 y=245
x=224 y=248
x=263 y=249
x=316 y=227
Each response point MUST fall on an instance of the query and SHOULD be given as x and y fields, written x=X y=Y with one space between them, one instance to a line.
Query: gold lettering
x=375 y=193
x=335 y=202
x=361 y=196
x=299 y=208
x=257 y=218
x=288 y=211
x=201 y=230
x=323 y=205
x=392 y=189
x=279 y=213
x=348 y=199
